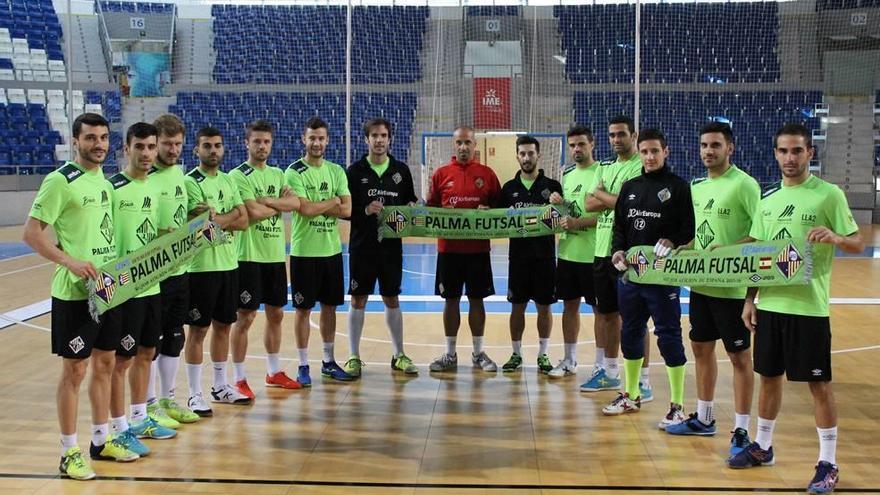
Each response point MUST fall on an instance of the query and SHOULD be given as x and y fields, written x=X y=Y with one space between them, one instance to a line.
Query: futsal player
x=375 y=181
x=464 y=182
x=213 y=273
x=791 y=323
x=262 y=273
x=531 y=261
x=316 y=273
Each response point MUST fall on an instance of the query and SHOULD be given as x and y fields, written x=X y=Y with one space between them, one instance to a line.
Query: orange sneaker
x=244 y=389
x=281 y=379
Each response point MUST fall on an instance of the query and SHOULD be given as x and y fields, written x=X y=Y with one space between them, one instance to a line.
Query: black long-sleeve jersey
x=650 y=207
x=394 y=188
x=515 y=194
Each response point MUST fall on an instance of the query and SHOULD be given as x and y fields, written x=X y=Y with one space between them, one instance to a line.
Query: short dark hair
x=314 y=124
x=623 y=119
x=209 y=132
x=580 y=130
x=720 y=127
x=92 y=119
x=368 y=125
x=652 y=135
x=794 y=130
x=140 y=130
x=465 y=126
x=259 y=125
x=526 y=139
x=169 y=124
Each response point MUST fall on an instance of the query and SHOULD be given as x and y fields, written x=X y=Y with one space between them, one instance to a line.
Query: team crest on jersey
x=479 y=182
x=353 y=284
x=76 y=344
x=664 y=195
x=789 y=261
x=194 y=314
x=245 y=297
x=396 y=222
x=545 y=194
x=107 y=228
x=640 y=262
x=298 y=298
x=127 y=342
x=396 y=178
x=705 y=234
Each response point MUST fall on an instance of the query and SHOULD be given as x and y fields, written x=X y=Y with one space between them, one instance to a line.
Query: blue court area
x=13 y=249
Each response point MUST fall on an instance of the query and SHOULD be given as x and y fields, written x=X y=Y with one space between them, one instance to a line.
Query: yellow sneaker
x=74 y=465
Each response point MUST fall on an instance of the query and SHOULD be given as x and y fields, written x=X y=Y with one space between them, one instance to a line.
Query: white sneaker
x=564 y=368
x=229 y=395
x=674 y=416
x=483 y=362
x=197 y=404
x=446 y=362
x=622 y=404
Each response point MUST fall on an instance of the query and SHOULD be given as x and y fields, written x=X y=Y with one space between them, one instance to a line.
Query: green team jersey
x=169 y=183
x=263 y=241
x=613 y=176
x=316 y=236
x=219 y=192
x=578 y=245
x=135 y=216
x=76 y=203
x=723 y=210
x=790 y=212
x=380 y=168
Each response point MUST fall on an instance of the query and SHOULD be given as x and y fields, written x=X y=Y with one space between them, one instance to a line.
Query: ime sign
x=492 y=102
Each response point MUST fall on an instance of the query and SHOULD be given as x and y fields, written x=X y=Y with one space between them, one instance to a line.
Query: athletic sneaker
x=130 y=441
x=512 y=364
x=161 y=416
x=245 y=389
x=74 y=465
x=621 y=405
x=281 y=380
x=739 y=441
x=752 y=456
x=403 y=363
x=303 y=377
x=692 y=426
x=199 y=406
x=176 y=411
x=112 y=450
x=825 y=479
x=229 y=395
x=673 y=417
x=564 y=368
x=600 y=381
x=483 y=362
x=353 y=366
x=647 y=392
x=446 y=362
x=544 y=364
x=148 y=428
x=332 y=370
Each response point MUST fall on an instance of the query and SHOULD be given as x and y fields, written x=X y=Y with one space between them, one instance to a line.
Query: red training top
x=468 y=185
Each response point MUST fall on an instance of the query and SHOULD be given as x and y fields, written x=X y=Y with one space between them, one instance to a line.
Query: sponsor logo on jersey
x=178 y=192
x=148 y=204
x=631 y=197
x=576 y=189
x=270 y=191
x=104 y=198
x=324 y=187
x=709 y=205
x=787 y=212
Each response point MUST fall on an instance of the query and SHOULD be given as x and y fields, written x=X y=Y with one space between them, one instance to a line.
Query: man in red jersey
x=464 y=183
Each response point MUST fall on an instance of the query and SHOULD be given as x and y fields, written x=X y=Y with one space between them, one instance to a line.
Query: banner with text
x=492 y=102
x=451 y=223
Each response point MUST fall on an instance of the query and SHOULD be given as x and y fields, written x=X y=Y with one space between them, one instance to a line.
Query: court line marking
x=462 y=486
x=19 y=256
x=26 y=269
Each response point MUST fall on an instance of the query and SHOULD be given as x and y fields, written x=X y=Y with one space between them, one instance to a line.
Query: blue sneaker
x=647 y=392
x=302 y=376
x=752 y=456
x=739 y=441
x=149 y=428
x=825 y=479
x=600 y=381
x=332 y=370
x=130 y=441
x=692 y=426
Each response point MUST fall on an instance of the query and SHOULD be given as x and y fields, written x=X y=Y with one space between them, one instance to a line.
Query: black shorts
x=714 y=318
x=799 y=346
x=605 y=277
x=75 y=333
x=213 y=296
x=317 y=279
x=140 y=324
x=457 y=270
x=365 y=268
x=531 y=279
x=574 y=280
x=175 y=304
x=261 y=283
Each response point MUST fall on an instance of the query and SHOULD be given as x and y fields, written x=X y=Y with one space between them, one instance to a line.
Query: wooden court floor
x=470 y=432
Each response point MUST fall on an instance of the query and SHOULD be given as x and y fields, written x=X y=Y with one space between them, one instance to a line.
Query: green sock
x=632 y=369
x=676 y=383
